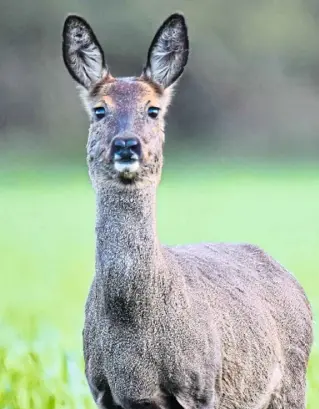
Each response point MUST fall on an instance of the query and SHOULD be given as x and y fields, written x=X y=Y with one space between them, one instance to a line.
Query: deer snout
x=126 y=149
x=126 y=153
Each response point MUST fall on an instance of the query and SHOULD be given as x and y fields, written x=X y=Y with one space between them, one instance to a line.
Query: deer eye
x=153 y=112
x=99 y=112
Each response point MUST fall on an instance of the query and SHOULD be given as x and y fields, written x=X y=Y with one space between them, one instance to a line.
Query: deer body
x=218 y=326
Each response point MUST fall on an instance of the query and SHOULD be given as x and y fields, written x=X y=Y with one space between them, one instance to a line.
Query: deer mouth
x=126 y=153
x=126 y=167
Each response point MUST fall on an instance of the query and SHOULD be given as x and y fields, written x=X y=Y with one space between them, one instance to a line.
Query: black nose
x=126 y=149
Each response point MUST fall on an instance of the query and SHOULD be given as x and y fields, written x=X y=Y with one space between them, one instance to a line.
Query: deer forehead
x=127 y=93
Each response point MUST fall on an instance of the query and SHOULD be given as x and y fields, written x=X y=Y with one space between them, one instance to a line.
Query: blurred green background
x=241 y=164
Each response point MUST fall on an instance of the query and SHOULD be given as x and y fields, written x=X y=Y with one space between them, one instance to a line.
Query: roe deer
x=200 y=326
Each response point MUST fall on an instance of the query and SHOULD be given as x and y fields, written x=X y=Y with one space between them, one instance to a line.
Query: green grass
x=47 y=260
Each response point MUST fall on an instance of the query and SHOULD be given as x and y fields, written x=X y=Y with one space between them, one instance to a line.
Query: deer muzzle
x=126 y=154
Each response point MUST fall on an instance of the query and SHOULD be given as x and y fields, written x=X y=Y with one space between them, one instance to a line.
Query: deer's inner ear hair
x=82 y=53
x=168 y=53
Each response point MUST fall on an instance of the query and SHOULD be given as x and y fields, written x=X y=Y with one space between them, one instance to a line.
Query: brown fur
x=218 y=326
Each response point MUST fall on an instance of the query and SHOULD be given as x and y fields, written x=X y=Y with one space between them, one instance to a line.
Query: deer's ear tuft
x=82 y=53
x=168 y=53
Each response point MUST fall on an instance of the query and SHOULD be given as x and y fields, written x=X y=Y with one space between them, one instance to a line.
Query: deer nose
x=126 y=149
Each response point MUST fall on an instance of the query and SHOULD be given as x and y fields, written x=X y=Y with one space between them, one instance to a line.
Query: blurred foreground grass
x=47 y=260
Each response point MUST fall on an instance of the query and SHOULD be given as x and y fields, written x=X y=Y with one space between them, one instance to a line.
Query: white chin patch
x=127 y=169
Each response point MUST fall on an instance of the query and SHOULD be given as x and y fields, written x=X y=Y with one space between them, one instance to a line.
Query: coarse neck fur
x=129 y=260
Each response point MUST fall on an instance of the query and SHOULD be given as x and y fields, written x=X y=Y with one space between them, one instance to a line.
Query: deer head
x=126 y=135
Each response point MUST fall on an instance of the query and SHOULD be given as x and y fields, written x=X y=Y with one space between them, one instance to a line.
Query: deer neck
x=128 y=255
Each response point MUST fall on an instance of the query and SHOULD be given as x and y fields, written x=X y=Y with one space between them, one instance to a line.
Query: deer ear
x=82 y=53
x=168 y=53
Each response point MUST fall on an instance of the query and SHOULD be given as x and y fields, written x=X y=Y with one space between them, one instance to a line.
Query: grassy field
x=47 y=260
